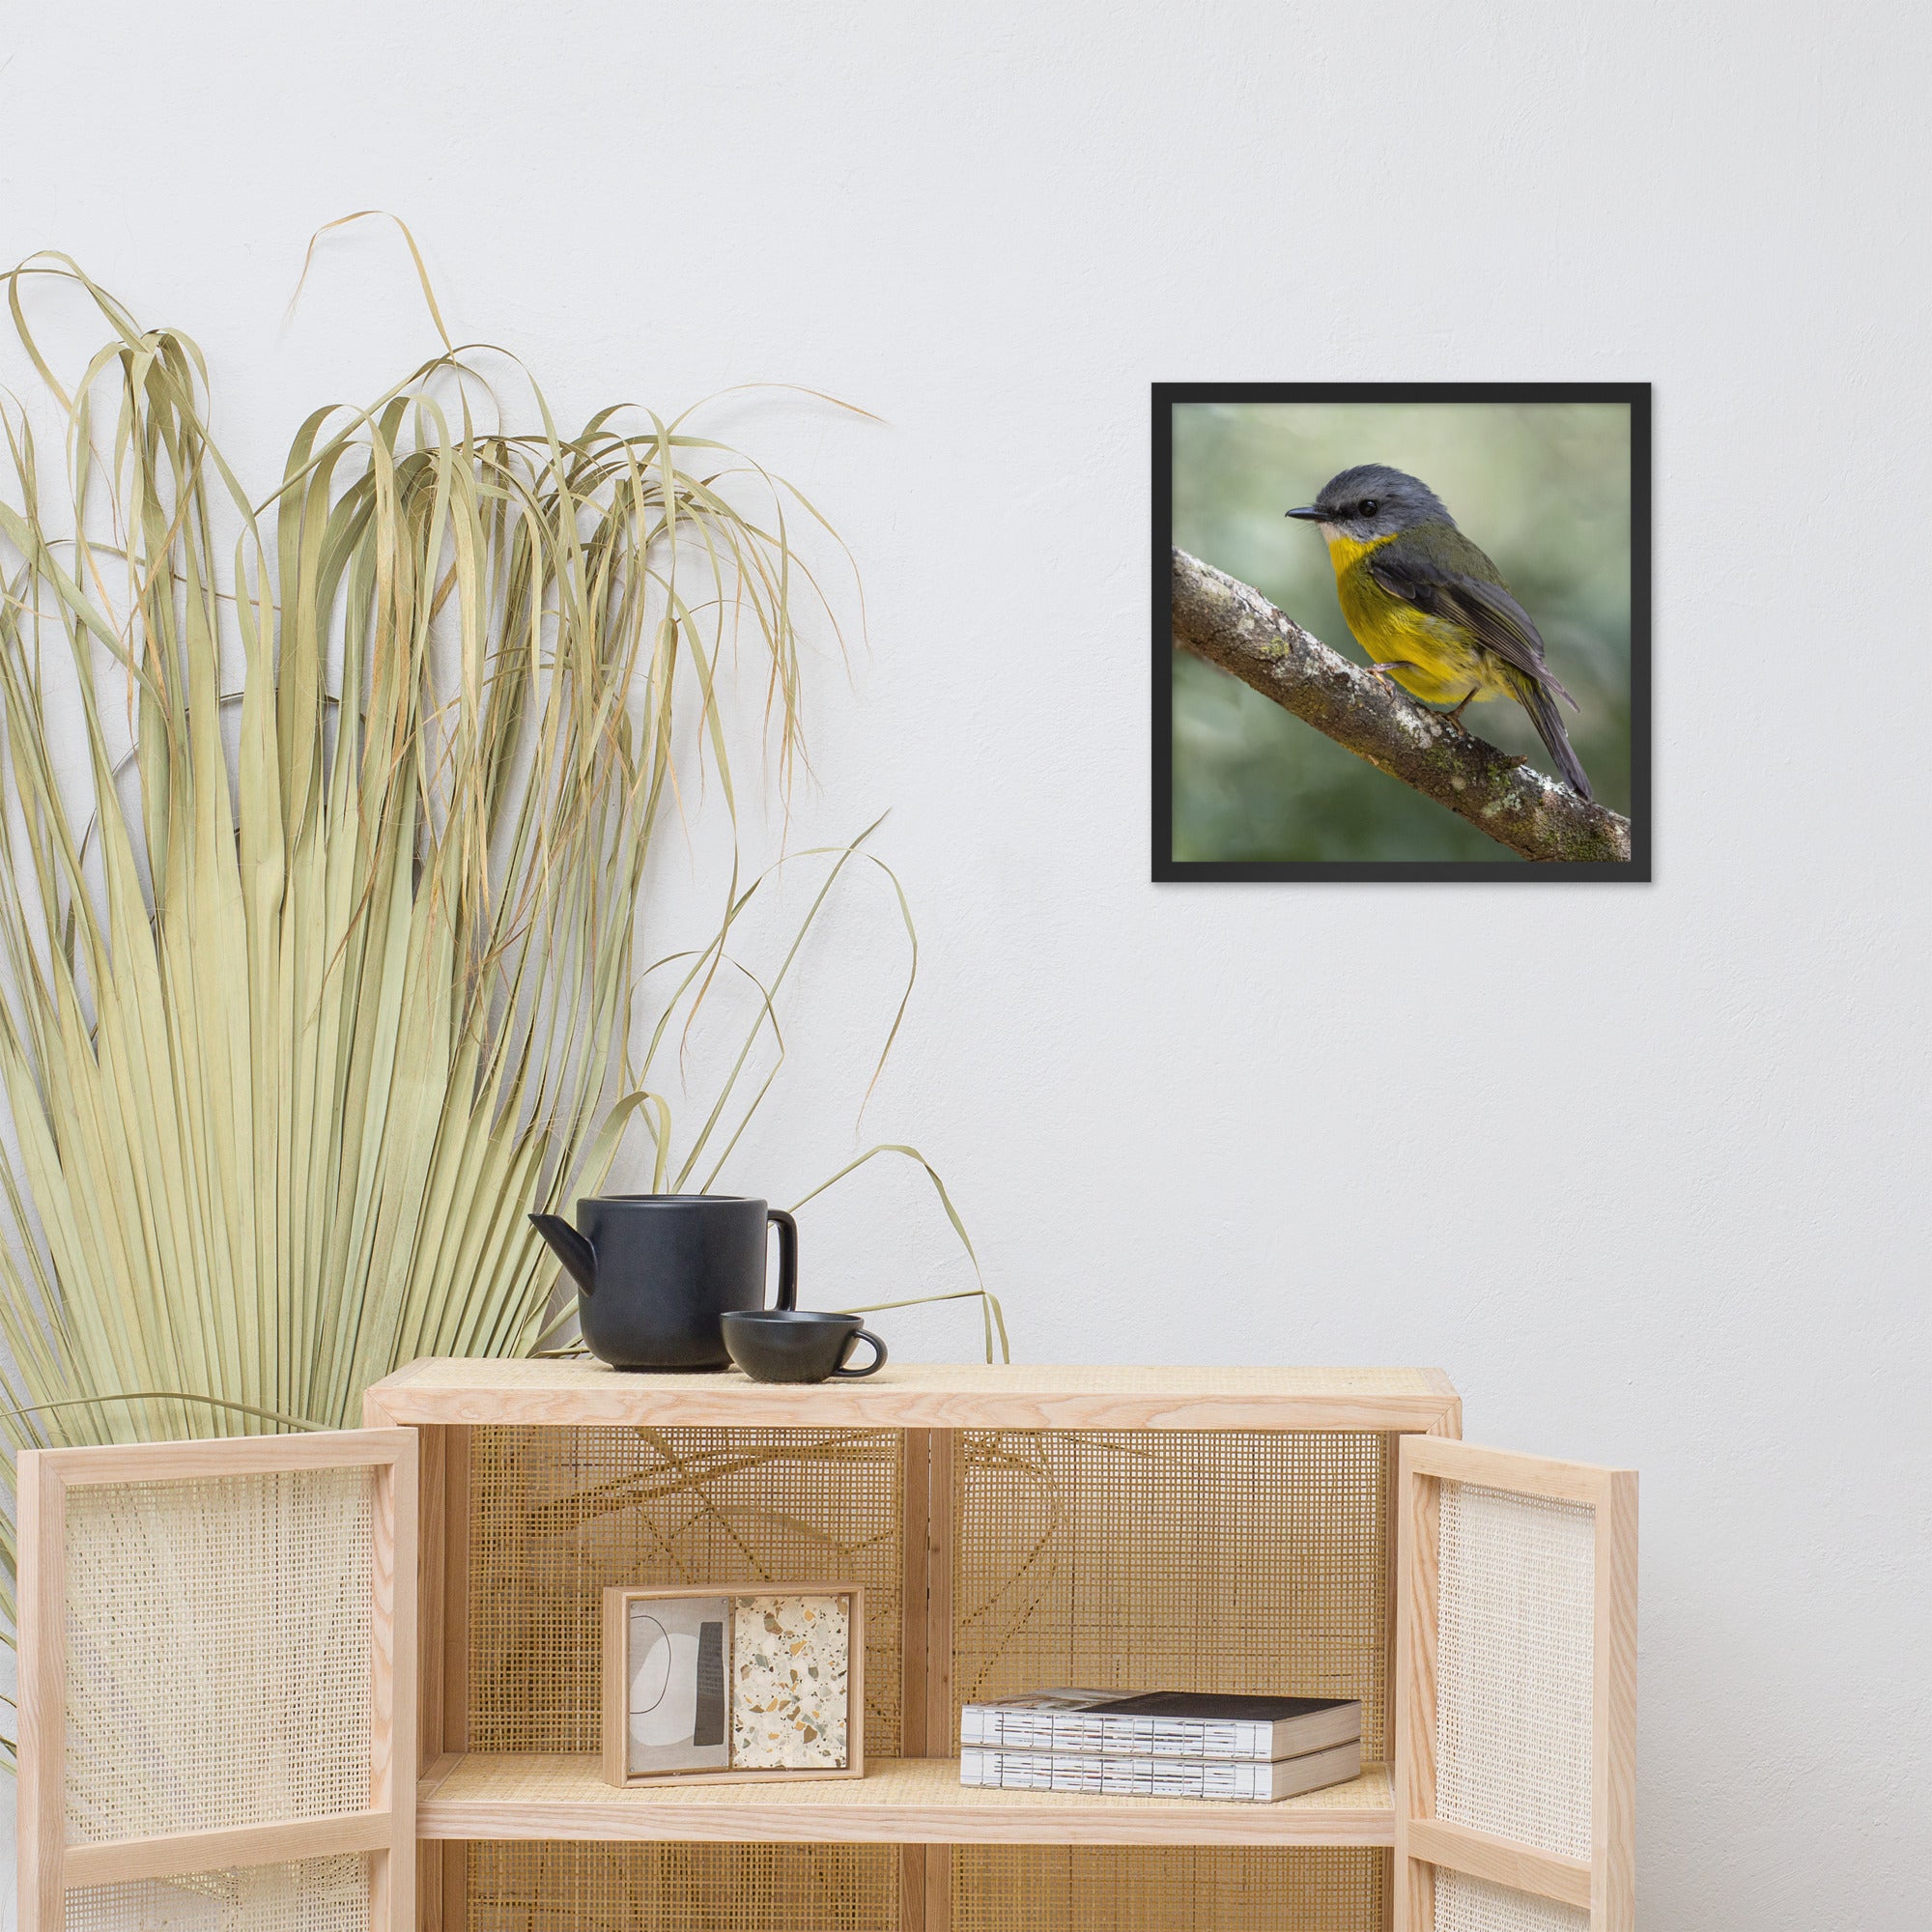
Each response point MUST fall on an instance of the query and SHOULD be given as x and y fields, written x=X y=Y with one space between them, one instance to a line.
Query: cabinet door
x=217 y=1685
x=1516 y=1692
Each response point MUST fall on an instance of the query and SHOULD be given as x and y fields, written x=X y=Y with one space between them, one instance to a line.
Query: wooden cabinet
x=1320 y=1530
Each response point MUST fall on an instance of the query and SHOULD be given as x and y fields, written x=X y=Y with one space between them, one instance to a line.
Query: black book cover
x=1208 y=1707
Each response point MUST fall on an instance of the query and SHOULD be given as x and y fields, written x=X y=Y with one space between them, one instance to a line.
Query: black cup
x=788 y=1345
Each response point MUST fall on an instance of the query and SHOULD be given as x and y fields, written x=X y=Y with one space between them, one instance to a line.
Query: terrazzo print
x=789 y=1663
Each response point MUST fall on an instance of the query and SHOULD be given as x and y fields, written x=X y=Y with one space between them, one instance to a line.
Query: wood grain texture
x=454 y=1641
x=1413 y=1904
x=386 y=1830
x=1505 y=1469
x=614 y=1715
x=1417 y=1513
x=1391 y=1514
x=855 y=1680
x=431 y=1453
x=911 y=1889
x=441 y=1649
x=938 y=1888
x=40 y=1642
x=452 y=1878
x=442 y=1627
x=179 y=1852
x=1605 y=1884
x=1500 y=1860
x=392 y=1624
x=1614 y=1765
x=898 y=1802
x=937 y=1396
x=231 y=1456
x=393 y=1710
x=443 y=1875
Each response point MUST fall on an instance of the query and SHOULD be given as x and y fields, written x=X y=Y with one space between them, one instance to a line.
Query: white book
x=1162 y=1723
x=1231 y=1781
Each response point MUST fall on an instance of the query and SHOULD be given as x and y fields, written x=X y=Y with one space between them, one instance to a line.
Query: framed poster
x=1401 y=631
x=750 y=1683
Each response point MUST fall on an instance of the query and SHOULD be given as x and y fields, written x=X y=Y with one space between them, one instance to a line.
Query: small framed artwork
x=754 y=1685
x=1401 y=631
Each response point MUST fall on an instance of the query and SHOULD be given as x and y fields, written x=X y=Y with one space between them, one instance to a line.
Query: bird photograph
x=1475 y=557
x=1413 y=586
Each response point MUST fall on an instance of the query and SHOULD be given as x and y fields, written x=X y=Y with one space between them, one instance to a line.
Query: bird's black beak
x=1311 y=513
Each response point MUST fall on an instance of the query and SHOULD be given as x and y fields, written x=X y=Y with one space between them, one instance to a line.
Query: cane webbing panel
x=530 y=1886
x=1464 y=1904
x=558 y=1514
x=1249 y=1561
x=1514 y=1667
x=217 y=1653
x=313 y=1896
x=1139 y=1888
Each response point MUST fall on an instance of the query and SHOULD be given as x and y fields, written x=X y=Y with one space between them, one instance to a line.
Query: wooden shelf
x=898 y=1802
x=533 y=1394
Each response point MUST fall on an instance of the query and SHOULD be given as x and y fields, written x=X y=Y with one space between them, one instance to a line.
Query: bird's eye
x=1369 y=507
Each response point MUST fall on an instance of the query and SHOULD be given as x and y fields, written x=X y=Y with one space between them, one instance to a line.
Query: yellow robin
x=1430 y=609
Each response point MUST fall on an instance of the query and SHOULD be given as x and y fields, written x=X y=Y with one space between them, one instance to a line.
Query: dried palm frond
x=317 y=973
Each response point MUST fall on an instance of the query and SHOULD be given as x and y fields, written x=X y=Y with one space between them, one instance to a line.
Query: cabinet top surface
x=919 y=1395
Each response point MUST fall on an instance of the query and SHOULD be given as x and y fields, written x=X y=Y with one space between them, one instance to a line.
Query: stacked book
x=1164 y=1744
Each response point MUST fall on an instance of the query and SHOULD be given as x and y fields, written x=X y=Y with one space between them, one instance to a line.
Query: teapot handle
x=788 y=1258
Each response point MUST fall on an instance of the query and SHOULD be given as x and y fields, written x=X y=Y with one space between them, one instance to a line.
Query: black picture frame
x=1167 y=868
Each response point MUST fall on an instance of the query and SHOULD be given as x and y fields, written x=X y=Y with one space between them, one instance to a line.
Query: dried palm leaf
x=320 y=973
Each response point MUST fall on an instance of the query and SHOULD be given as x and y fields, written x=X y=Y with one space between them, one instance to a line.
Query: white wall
x=1643 y=1169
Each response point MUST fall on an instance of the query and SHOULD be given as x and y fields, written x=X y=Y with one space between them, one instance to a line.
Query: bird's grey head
x=1373 y=500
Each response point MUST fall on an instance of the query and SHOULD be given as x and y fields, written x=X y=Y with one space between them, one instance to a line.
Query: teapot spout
x=570 y=1248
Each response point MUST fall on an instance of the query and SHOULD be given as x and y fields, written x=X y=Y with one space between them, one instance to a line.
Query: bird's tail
x=1541 y=704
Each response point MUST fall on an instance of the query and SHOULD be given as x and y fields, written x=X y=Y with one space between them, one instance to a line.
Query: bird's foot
x=1381 y=670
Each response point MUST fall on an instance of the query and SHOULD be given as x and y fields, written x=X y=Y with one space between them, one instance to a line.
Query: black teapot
x=655 y=1272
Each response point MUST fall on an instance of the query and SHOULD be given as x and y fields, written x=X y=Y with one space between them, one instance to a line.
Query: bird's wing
x=1497 y=620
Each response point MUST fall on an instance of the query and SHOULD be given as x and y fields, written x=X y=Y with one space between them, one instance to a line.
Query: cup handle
x=787 y=1257
x=872 y=1367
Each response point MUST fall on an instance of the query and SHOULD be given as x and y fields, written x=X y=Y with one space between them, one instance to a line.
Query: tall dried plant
x=319 y=974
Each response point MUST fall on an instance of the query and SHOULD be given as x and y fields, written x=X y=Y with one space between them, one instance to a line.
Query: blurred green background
x=1543 y=486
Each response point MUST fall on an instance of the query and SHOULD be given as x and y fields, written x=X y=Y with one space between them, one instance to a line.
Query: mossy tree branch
x=1234 y=627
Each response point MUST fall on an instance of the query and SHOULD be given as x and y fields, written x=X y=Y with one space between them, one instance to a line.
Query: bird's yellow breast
x=1432 y=658
x=1344 y=552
